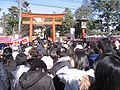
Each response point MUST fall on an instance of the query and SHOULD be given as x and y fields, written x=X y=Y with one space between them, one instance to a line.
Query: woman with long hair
x=107 y=73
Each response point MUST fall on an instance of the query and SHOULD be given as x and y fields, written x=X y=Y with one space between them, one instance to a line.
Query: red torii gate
x=43 y=16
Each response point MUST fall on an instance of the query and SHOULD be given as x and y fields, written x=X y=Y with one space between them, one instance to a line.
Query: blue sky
x=44 y=6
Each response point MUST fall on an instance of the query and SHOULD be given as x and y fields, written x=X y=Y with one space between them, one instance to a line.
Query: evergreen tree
x=108 y=11
x=84 y=11
x=12 y=18
x=67 y=21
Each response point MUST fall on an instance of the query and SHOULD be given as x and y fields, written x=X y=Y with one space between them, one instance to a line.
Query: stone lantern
x=83 y=25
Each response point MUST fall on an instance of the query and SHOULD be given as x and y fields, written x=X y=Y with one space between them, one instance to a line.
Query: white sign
x=72 y=30
x=83 y=24
x=1 y=30
x=57 y=34
x=72 y=33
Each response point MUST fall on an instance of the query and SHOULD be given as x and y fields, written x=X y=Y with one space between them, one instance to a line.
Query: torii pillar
x=31 y=30
x=53 y=29
x=43 y=16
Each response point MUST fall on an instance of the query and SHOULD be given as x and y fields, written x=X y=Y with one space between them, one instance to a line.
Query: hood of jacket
x=30 y=78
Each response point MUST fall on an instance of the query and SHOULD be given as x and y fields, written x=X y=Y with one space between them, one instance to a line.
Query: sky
x=43 y=6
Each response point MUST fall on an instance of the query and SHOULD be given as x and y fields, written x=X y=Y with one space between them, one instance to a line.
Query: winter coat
x=59 y=71
x=69 y=76
x=4 y=82
x=18 y=72
x=35 y=80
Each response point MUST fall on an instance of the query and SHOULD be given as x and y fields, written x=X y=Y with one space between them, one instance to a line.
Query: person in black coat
x=36 y=78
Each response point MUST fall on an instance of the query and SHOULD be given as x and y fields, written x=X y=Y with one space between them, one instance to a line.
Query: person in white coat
x=69 y=76
x=21 y=67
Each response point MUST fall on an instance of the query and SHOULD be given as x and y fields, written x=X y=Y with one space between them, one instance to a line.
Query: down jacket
x=35 y=80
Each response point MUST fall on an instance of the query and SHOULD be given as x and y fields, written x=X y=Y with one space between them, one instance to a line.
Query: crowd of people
x=72 y=65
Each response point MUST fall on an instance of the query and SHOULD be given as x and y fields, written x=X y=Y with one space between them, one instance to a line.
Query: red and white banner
x=20 y=40
x=12 y=41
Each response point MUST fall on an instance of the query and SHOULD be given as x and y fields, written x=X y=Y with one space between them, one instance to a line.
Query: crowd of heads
x=102 y=56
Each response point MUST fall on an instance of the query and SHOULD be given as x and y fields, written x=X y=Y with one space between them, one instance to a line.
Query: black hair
x=71 y=53
x=62 y=52
x=35 y=53
x=21 y=59
x=105 y=45
x=54 y=56
x=37 y=63
x=7 y=50
x=95 y=48
x=7 y=53
x=81 y=61
x=107 y=73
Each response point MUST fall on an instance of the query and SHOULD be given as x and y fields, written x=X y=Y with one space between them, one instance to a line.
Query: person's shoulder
x=47 y=76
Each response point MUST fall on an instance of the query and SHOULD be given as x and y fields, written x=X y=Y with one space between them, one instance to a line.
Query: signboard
x=83 y=24
x=72 y=33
